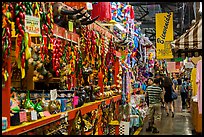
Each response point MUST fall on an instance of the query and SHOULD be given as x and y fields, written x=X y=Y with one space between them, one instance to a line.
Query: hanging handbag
x=173 y=94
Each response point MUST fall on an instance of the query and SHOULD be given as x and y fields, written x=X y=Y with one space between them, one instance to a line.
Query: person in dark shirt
x=168 y=85
x=161 y=85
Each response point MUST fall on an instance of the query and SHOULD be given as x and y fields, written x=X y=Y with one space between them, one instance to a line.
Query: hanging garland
x=7 y=18
x=23 y=41
x=46 y=25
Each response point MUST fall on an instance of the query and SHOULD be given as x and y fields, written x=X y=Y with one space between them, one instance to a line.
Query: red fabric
x=77 y=5
x=103 y=10
x=177 y=65
x=132 y=14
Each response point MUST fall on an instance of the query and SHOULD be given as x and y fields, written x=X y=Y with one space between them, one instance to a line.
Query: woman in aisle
x=168 y=86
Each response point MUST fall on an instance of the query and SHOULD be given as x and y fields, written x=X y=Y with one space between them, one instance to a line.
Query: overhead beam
x=150 y=3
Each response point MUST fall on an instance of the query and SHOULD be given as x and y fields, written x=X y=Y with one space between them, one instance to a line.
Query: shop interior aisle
x=181 y=124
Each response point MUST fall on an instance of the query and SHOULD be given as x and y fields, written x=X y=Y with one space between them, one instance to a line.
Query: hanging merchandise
x=76 y=18
x=63 y=77
x=7 y=24
x=23 y=41
x=46 y=19
x=99 y=8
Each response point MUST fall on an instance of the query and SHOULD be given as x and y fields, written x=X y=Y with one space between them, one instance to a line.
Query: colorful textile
x=199 y=82
x=98 y=10
x=193 y=82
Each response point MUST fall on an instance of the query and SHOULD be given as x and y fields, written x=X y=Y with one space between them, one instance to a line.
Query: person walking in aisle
x=161 y=85
x=168 y=86
x=189 y=93
x=179 y=81
x=175 y=82
x=154 y=92
x=184 y=93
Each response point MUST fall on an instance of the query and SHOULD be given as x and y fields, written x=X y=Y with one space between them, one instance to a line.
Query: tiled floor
x=181 y=124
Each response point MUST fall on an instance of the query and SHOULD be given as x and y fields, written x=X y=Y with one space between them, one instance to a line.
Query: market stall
x=61 y=66
x=190 y=40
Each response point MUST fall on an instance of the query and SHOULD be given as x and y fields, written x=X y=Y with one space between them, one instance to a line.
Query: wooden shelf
x=27 y=126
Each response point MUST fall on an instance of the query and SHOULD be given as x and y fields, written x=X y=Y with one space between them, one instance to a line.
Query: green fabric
x=178 y=59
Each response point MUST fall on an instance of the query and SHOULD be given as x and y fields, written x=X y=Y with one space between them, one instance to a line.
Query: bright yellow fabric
x=193 y=82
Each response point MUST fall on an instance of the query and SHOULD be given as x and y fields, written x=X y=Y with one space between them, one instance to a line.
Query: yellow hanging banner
x=164 y=35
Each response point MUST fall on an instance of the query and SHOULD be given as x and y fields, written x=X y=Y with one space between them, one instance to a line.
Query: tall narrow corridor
x=181 y=124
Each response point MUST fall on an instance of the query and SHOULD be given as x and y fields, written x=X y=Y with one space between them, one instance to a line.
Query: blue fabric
x=135 y=42
x=134 y=121
x=184 y=87
x=144 y=87
x=175 y=81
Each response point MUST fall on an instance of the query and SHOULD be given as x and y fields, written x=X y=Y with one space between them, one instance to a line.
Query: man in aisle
x=154 y=92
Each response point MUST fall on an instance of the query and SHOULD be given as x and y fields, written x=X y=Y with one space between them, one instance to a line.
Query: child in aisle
x=149 y=83
x=154 y=92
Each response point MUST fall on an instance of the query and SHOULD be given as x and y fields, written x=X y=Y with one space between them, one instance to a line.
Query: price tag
x=53 y=94
x=89 y=6
x=46 y=113
x=34 y=115
x=23 y=116
x=70 y=24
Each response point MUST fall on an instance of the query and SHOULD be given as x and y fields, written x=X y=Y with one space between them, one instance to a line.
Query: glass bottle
x=38 y=107
x=28 y=103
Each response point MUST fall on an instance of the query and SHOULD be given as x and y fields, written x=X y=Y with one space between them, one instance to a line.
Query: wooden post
x=6 y=95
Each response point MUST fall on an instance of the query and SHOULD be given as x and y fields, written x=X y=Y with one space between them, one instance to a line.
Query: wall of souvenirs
x=64 y=73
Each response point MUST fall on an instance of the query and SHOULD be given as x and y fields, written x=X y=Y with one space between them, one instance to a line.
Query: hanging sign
x=164 y=35
x=70 y=26
x=32 y=24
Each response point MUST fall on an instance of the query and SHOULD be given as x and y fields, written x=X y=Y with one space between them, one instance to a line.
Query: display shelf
x=88 y=107
x=27 y=126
